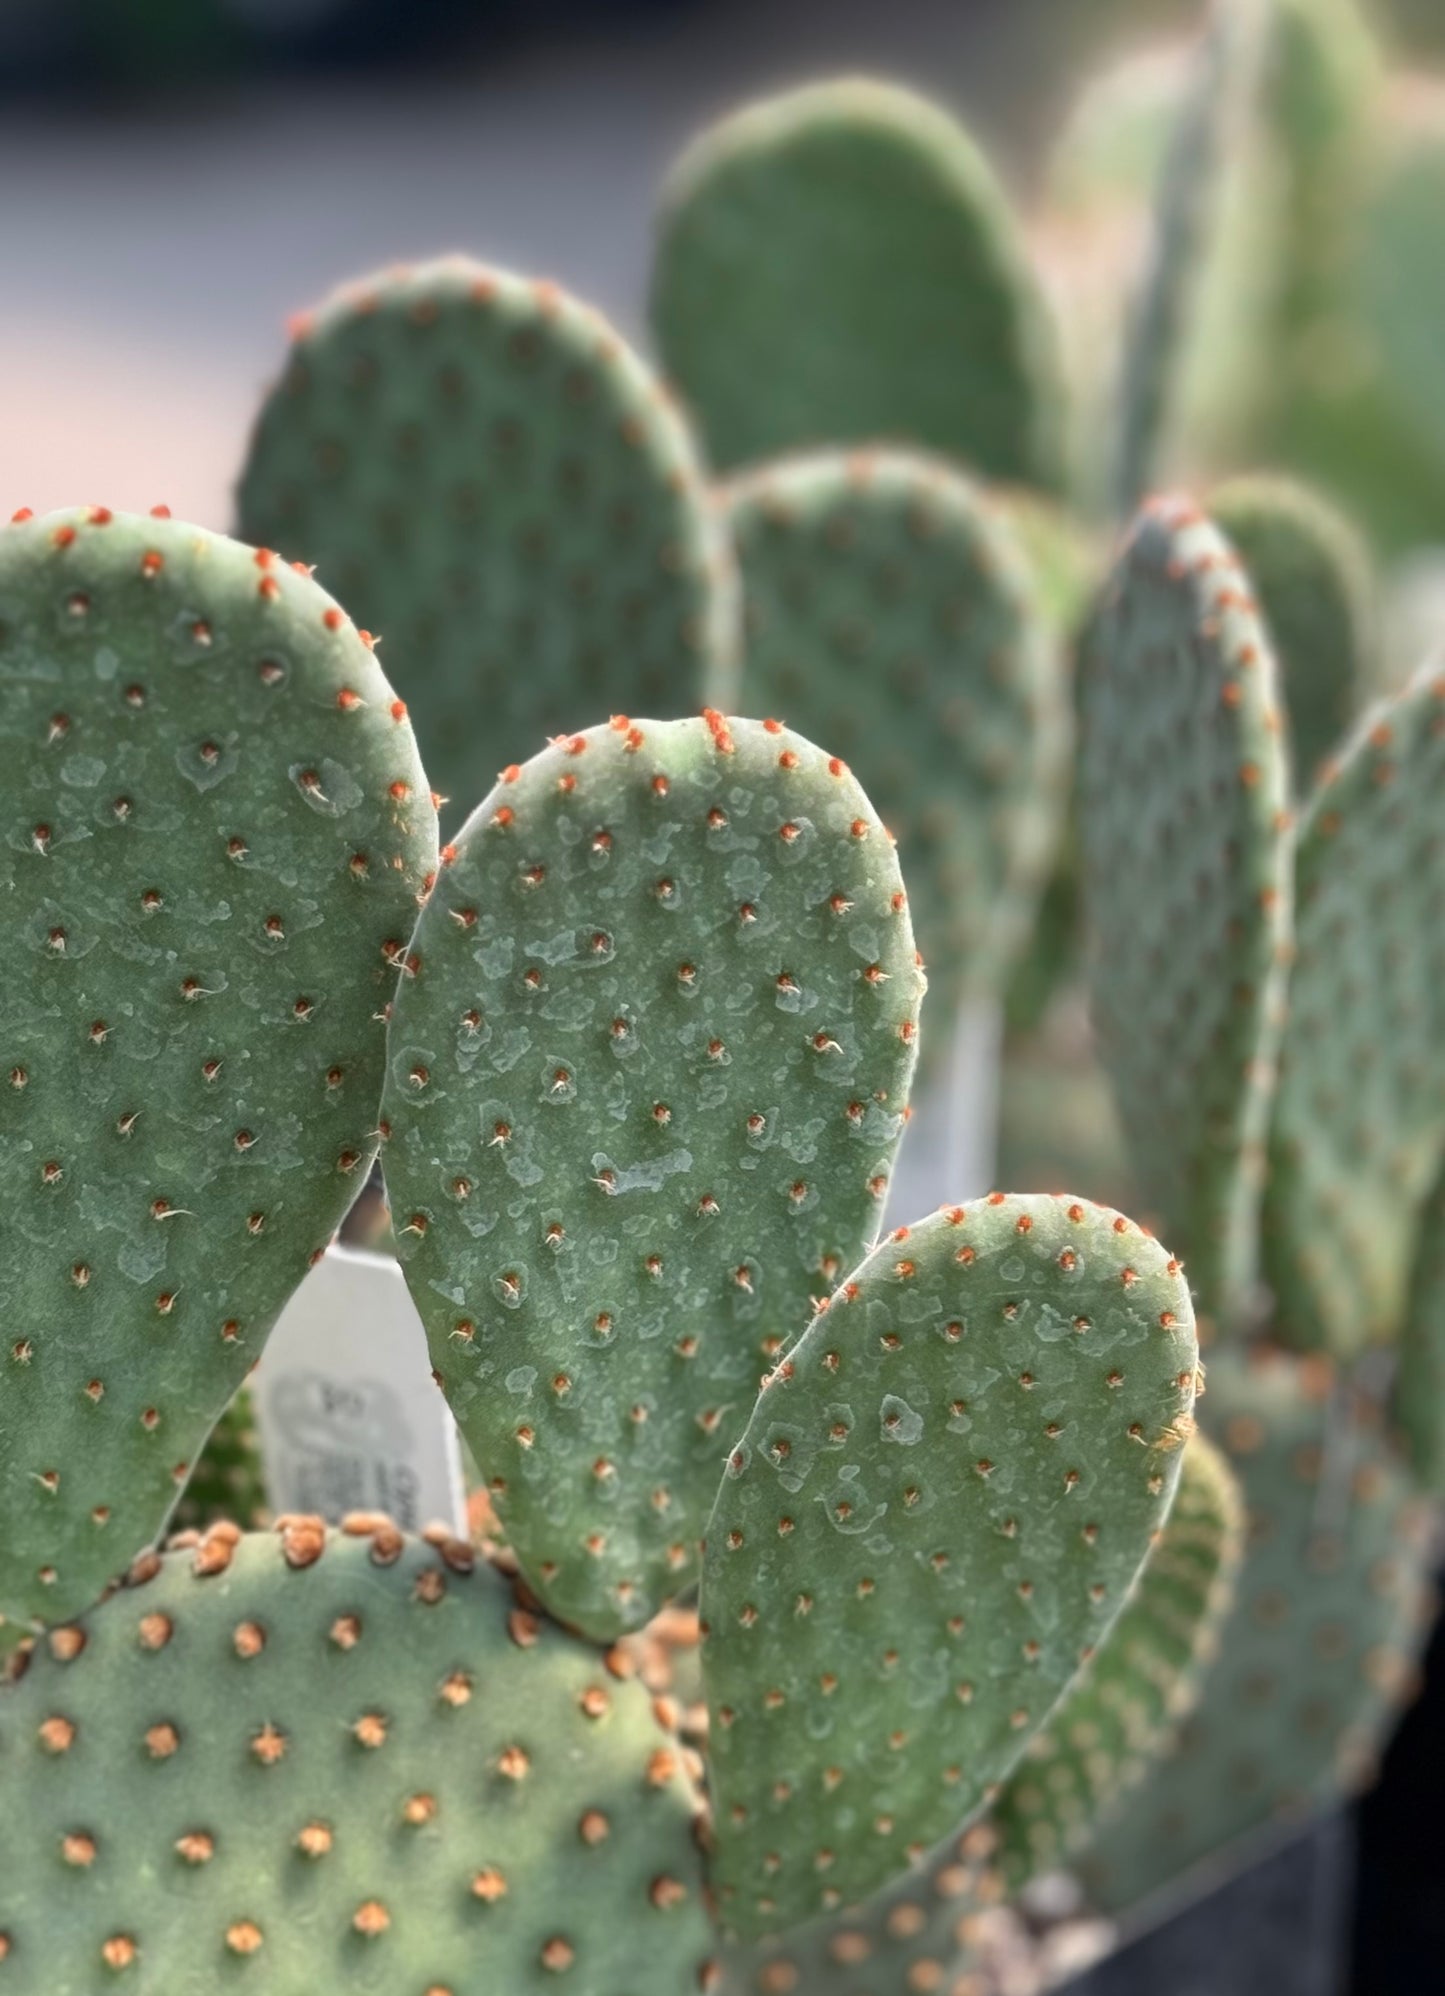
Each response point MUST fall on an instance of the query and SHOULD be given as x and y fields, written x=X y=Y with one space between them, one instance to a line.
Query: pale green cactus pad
x=1358 y=1132
x=314 y=1761
x=943 y=1498
x=1188 y=202
x=217 y=834
x=1122 y=1712
x=1182 y=801
x=497 y=485
x=889 y=613
x=1320 y=1647
x=838 y=265
x=645 y=1088
x=1312 y=583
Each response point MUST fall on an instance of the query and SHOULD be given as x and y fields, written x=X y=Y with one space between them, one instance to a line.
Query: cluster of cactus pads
x=966 y=1597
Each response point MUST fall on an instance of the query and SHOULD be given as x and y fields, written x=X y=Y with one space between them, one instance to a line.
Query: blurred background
x=183 y=174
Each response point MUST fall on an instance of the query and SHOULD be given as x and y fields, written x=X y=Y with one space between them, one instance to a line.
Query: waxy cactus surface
x=217 y=836
x=493 y=480
x=304 y=1761
x=838 y=265
x=645 y=1088
x=945 y=1493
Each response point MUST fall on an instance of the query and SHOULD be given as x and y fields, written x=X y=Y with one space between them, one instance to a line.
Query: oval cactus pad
x=645 y=1087
x=313 y=1761
x=496 y=483
x=1183 y=815
x=217 y=832
x=938 y=1509
x=839 y=265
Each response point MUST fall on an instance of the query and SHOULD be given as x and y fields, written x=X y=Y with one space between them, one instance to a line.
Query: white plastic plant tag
x=349 y=1416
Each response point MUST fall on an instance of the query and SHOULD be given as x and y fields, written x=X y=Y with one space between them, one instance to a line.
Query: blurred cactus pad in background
x=872 y=882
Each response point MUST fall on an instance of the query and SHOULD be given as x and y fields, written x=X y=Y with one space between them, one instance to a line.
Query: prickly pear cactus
x=495 y=482
x=1188 y=202
x=1315 y=1656
x=332 y=1762
x=645 y=1087
x=888 y=613
x=1122 y=1712
x=935 y=1514
x=1182 y=799
x=1358 y=1133
x=838 y=265
x=217 y=835
x=1312 y=583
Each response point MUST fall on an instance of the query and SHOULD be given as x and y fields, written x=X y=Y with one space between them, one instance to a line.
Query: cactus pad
x=645 y=1090
x=1187 y=207
x=1097 y=1745
x=490 y=478
x=1182 y=810
x=943 y=1497
x=888 y=614
x=838 y=265
x=309 y=1761
x=1312 y=582
x=217 y=833
x=1318 y=1649
x=1358 y=1134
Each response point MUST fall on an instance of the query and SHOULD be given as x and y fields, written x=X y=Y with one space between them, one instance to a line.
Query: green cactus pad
x=1312 y=583
x=229 y=1481
x=1358 y=1133
x=888 y=613
x=310 y=1761
x=1188 y=203
x=217 y=834
x=1321 y=1644
x=645 y=1090
x=1419 y=1404
x=943 y=1497
x=838 y=265
x=1182 y=798
x=494 y=481
x=1121 y=1713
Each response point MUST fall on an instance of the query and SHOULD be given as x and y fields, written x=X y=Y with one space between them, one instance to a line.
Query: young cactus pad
x=339 y=1762
x=838 y=265
x=492 y=479
x=1120 y=1713
x=1311 y=580
x=1330 y=1613
x=1359 y=1120
x=888 y=613
x=644 y=1091
x=1183 y=825
x=217 y=835
x=944 y=1495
